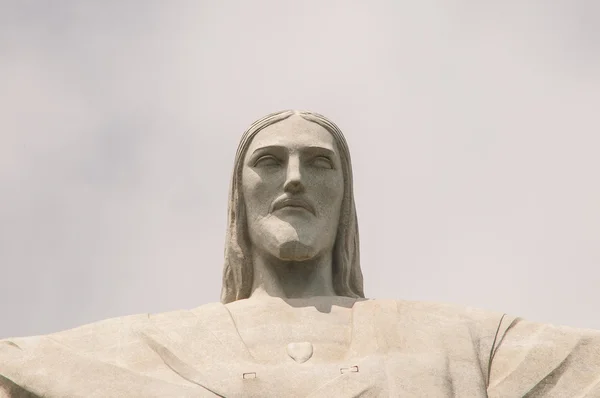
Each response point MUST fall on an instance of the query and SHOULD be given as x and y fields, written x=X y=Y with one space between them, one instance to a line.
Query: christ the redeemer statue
x=293 y=320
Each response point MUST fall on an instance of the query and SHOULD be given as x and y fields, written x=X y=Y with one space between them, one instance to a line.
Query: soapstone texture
x=293 y=320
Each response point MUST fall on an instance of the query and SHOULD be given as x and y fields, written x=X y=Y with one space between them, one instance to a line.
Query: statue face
x=292 y=187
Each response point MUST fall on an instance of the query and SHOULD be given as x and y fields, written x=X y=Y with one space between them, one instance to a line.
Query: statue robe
x=398 y=348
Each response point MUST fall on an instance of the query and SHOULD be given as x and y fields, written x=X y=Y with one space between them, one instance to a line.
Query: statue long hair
x=238 y=268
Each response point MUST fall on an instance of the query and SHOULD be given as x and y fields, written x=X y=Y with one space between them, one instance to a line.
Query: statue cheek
x=330 y=194
x=256 y=191
x=250 y=179
x=330 y=184
x=266 y=183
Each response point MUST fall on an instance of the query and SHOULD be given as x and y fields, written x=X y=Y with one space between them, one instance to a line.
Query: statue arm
x=41 y=366
x=8 y=389
x=535 y=359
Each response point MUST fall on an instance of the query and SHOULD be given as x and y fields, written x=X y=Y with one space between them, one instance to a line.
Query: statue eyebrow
x=265 y=149
x=311 y=150
x=319 y=150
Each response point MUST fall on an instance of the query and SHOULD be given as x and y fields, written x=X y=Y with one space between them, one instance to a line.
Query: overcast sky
x=474 y=128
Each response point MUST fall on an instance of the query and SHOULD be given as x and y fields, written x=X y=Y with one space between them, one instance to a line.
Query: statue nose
x=293 y=183
x=293 y=186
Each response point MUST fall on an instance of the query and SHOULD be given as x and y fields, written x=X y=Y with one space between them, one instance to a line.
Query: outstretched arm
x=539 y=360
x=8 y=389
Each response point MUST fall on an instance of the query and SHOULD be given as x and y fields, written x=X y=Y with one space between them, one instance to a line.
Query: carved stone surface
x=293 y=320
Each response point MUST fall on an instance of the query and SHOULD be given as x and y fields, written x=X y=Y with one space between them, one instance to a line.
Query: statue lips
x=292 y=202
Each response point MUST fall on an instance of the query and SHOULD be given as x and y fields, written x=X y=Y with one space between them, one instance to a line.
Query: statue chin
x=285 y=241
x=295 y=251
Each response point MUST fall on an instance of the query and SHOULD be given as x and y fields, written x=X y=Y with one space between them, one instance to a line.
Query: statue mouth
x=293 y=203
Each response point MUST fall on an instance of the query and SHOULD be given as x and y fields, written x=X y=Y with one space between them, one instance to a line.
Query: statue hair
x=238 y=268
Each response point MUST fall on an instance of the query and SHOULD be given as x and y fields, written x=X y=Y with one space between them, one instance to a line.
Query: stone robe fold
x=398 y=348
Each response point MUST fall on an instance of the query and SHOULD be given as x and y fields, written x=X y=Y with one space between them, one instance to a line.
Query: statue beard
x=295 y=251
x=283 y=240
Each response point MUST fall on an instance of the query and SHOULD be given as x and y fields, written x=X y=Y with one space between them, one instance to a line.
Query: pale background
x=474 y=128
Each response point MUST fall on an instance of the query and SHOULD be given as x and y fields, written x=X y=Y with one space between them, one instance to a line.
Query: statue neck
x=292 y=279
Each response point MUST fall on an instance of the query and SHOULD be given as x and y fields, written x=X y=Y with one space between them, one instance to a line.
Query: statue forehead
x=293 y=132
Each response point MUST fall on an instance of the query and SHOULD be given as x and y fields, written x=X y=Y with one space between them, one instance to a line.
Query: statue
x=293 y=320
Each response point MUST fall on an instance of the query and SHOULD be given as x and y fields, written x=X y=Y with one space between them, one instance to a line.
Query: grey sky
x=473 y=126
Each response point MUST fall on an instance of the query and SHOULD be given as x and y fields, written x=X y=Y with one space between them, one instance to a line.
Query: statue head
x=291 y=198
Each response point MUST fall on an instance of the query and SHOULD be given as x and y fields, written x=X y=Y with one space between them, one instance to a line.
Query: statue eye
x=322 y=162
x=266 y=161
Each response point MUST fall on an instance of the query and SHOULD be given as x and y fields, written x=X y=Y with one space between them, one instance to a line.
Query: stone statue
x=293 y=320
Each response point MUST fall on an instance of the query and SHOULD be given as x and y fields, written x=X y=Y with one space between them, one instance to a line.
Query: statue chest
x=377 y=375
x=281 y=333
x=301 y=343
x=367 y=354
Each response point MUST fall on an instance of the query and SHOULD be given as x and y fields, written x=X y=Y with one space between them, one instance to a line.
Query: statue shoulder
x=442 y=311
x=100 y=350
x=446 y=312
x=537 y=359
x=484 y=325
x=479 y=322
x=463 y=327
x=103 y=335
x=85 y=337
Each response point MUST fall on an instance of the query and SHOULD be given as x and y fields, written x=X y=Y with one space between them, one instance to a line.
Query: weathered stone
x=293 y=320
